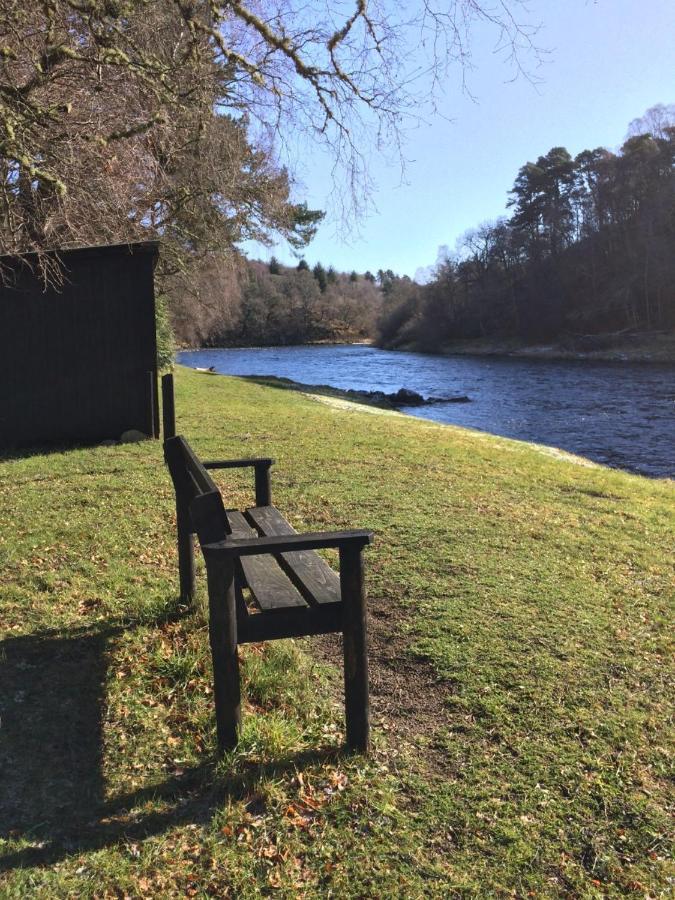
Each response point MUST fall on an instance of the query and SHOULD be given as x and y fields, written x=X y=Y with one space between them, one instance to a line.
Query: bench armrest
x=262 y=465
x=265 y=462
x=287 y=542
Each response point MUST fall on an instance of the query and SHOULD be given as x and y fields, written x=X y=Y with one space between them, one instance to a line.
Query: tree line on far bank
x=258 y=304
x=589 y=248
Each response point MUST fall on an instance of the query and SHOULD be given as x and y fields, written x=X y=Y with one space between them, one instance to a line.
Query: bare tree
x=93 y=78
x=656 y=121
x=125 y=119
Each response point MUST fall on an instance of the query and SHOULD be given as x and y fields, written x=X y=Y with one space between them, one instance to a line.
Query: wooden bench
x=265 y=582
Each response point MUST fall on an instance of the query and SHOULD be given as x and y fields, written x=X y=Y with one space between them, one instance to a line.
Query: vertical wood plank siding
x=78 y=363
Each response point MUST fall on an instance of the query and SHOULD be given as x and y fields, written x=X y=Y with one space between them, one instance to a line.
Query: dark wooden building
x=78 y=362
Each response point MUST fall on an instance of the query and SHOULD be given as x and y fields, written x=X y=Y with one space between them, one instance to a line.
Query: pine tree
x=320 y=274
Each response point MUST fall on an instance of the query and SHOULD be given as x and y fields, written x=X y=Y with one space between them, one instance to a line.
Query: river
x=618 y=414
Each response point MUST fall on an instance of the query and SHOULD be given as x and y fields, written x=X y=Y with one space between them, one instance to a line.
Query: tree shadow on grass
x=51 y=697
x=52 y=789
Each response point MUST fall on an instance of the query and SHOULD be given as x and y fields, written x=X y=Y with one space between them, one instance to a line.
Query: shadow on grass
x=51 y=696
x=52 y=703
x=10 y=454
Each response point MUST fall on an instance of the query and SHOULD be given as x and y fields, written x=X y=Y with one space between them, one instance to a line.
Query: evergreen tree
x=320 y=274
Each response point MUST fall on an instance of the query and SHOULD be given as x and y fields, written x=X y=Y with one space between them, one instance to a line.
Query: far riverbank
x=636 y=348
x=630 y=348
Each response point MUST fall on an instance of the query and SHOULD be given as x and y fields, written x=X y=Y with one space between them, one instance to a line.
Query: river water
x=618 y=414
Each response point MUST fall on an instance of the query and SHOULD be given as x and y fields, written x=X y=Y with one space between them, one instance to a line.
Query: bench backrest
x=197 y=494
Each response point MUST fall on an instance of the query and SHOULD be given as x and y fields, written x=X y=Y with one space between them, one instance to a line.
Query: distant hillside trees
x=269 y=304
x=589 y=247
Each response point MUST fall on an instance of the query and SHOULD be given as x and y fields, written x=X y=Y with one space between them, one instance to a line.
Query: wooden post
x=168 y=407
x=223 y=638
x=186 y=550
x=263 y=485
x=154 y=405
x=355 y=648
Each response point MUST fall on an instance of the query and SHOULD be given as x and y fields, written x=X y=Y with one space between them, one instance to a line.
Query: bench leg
x=186 y=553
x=355 y=649
x=223 y=639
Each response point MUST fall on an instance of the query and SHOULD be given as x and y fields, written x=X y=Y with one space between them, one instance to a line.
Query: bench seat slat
x=271 y=589
x=315 y=579
x=239 y=527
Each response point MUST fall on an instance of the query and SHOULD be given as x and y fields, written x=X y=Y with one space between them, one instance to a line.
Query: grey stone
x=132 y=436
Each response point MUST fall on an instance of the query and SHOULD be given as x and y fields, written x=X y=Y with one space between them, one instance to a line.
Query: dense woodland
x=260 y=304
x=589 y=248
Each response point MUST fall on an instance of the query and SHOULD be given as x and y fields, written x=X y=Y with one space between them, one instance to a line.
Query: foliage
x=321 y=278
x=118 y=122
x=317 y=68
x=259 y=306
x=165 y=337
x=587 y=249
x=540 y=590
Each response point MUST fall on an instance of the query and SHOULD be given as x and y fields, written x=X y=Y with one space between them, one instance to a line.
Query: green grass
x=541 y=592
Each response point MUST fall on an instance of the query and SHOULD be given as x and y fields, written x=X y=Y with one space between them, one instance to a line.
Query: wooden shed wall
x=78 y=364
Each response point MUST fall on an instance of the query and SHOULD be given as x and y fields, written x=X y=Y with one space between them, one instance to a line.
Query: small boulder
x=406 y=397
x=132 y=436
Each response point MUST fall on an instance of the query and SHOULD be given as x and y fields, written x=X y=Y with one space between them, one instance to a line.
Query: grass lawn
x=538 y=592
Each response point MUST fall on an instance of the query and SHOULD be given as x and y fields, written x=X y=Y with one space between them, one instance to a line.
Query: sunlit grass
x=541 y=591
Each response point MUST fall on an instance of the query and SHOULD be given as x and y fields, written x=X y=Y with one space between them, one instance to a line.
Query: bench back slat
x=185 y=467
x=196 y=491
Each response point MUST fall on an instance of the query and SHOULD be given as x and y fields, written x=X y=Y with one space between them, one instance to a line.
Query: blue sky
x=609 y=61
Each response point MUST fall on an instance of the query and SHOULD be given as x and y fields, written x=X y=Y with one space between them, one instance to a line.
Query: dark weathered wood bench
x=265 y=581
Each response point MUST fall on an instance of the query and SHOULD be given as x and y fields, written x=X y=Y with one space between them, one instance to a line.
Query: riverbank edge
x=360 y=398
x=328 y=342
x=346 y=399
x=659 y=350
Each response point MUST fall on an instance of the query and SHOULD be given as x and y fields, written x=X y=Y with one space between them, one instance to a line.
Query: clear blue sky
x=610 y=61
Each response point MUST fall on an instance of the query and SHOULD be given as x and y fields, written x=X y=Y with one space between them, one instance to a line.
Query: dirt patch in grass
x=407 y=697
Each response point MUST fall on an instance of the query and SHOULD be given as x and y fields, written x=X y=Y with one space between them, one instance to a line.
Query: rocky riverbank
x=397 y=400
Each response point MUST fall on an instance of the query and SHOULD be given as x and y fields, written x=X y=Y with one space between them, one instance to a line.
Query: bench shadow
x=52 y=786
